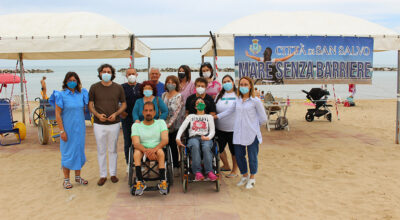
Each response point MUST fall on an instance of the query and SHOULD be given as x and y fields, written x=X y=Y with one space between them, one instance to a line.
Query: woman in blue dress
x=70 y=104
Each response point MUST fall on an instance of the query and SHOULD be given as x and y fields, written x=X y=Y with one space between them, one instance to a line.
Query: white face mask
x=200 y=90
x=207 y=74
x=131 y=78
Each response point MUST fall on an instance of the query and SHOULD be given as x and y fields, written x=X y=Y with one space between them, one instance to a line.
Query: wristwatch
x=61 y=132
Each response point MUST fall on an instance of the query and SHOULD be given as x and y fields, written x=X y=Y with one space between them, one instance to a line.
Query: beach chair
x=6 y=122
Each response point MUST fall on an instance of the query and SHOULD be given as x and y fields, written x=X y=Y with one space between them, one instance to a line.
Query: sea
x=383 y=83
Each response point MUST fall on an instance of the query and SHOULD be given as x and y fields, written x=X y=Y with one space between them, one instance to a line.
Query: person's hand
x=102 y=117
x=151 y=154
x=123 y=115
x=247 y=53
x=204 y=138
x=137 y=121
x=112 y=117
x=215 y=117
x=179 y=143
x=64 y=136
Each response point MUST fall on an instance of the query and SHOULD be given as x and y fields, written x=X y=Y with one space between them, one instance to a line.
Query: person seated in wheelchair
x=149 y=137
x=201 y=132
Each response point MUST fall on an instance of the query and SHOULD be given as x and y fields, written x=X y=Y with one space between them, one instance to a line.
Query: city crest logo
x=255 y=48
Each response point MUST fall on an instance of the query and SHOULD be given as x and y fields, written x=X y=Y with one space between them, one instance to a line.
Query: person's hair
x=188 y=72
x=262 y=92
x=174 y=79
x=222 y=92
x=150 y=103
x=155 y=68
x=200 y=80
x=251 y=90
x=106 y=66
x=148 y=83
x=78 y=81
x=44 y=77
x=207 y=64
x=267 y=54
x=130 y=68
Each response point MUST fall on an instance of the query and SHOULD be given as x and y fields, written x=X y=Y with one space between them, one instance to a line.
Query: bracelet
x=61 y=132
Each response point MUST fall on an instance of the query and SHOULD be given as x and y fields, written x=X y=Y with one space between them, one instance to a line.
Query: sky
x=197 y=17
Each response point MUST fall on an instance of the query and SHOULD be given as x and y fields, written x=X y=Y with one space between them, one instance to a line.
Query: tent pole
x=398 y=99
x=215 y=51
x=202 y=59
x=148 y=68
x=132 y=51
x=22 y=76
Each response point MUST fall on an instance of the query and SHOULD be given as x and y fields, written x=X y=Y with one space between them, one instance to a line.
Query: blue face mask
x=71 y=84
x=228 y=86
x=244 y=90
x=147 y=93
x=106 y=77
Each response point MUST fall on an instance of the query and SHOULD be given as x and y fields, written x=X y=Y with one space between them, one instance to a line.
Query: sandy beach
x=344 y=169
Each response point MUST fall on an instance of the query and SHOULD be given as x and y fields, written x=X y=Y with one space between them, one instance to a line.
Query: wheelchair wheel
x=185 y=184
x=133 y=189
x=309 y=117
x=130 y=171
x=170 y=172
x=217 y=168
x=36 y=115
x=43 y=131
x=329 y=117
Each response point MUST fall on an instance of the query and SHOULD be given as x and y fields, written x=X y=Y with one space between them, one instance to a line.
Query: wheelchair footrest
x=151 y=188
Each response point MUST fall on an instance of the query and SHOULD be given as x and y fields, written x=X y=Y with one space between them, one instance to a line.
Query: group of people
x=154 y=114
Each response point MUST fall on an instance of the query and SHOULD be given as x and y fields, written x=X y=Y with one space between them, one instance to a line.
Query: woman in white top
x=250 y=114
x=174 y=101
x=225 y=99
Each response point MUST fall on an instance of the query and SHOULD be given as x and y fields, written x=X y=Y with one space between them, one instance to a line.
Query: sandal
x=80 y=180
x=67 y=184
x=231 y=175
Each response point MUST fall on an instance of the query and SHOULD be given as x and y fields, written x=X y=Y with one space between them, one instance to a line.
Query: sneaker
x=139 y=188
x=163 y=187
x=250 y=184
x=212 y=176
x=243 y=181
x=199 y=176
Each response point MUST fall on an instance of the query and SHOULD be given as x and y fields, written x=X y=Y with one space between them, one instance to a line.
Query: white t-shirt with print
x=200 y=125
x=223 y=104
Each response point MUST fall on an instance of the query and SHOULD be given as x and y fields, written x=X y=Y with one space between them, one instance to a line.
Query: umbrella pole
x=132 y=51
x=22 y=76
x=148 y=68
x=398 y=99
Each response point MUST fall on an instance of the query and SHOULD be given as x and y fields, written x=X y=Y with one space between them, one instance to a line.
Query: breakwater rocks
x=27 y=71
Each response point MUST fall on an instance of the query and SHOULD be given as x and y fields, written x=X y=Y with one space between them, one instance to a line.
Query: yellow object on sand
x=22 y=130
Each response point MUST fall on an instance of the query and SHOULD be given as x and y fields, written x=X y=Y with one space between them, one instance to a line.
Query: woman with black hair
x=267 y=57
x=224 y=127
x=187 y=87
x=207 y=72
x=70 y=104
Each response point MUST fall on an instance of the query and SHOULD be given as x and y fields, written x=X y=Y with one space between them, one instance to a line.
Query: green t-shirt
x=149 y=135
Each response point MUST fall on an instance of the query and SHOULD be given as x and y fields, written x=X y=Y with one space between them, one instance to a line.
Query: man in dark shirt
x=132 y=93
x=201 y=85
x=106 y=102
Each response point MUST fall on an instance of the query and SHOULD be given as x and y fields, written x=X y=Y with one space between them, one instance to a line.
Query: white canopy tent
x=77 y=35
x=306 y=24
x=300 y=24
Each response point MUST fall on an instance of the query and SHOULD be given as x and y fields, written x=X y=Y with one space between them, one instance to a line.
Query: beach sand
x=346 y=169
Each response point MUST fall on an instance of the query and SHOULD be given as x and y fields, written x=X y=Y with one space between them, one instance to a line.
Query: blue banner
x=307 y=60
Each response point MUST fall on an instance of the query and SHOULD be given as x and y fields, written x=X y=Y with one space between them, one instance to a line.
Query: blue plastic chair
x=6 y=121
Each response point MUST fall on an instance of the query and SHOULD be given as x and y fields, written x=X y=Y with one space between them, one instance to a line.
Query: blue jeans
x=252 y=150
x=194 y=144
x=126 y=129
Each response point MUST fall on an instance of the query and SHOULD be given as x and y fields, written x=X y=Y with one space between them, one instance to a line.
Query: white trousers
x=107 y=137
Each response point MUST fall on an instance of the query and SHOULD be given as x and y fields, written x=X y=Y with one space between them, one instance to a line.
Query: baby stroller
x=319 y=97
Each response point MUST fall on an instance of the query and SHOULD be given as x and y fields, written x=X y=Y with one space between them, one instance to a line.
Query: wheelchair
x=151 y=169
x=185 y=165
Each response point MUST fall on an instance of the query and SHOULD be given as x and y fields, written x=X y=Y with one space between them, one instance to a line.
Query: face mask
x=147 y=93
x=71 y=84
x=171 y=87
x=200 y=90
x=228 y=86
x=244 y=90
x=131 y=78
x=207 y=74
x=181 y=75
x=106 y=77
x=201 y=106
